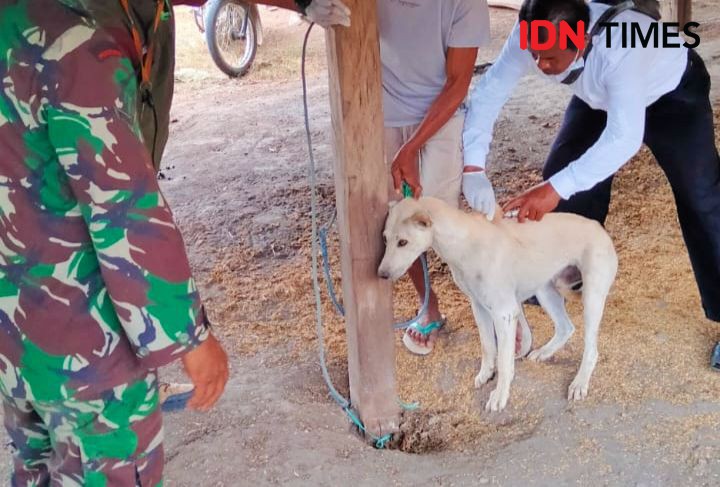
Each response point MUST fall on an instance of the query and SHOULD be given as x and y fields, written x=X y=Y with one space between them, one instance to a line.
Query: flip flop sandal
x=424 y=330
x=174 y=397
x=715 y=358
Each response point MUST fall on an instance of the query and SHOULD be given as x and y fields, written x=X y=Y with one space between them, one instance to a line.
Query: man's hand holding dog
x=534 y=203
x=478 y=190
x=405 y=168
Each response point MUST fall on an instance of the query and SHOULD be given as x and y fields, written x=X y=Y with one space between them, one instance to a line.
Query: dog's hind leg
x=487 y=342
x=505 y=324
x=554 y=304
x=596 y=287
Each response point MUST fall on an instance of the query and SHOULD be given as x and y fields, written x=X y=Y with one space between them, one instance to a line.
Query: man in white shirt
x=428 y=50
x=623 y=97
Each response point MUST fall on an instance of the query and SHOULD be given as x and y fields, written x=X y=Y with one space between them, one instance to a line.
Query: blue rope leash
x=318 y=236
x=426 y=298
x=326 y=270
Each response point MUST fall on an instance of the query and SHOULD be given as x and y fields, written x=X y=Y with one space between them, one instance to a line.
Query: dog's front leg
x=505 y=322
x=487 y=342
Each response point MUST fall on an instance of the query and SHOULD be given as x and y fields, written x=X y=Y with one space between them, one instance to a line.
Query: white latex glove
x=328 y=12
x=479 y=192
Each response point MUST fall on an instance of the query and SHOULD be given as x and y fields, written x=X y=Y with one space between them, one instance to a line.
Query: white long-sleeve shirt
x=621 y=81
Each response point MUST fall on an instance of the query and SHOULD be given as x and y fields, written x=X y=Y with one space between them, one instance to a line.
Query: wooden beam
x=511 y=4
x=709 y=29
x=676 y=11
x=361 y=197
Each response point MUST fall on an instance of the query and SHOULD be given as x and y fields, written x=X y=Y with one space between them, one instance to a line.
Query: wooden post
x=676 y=11
x=362 y=196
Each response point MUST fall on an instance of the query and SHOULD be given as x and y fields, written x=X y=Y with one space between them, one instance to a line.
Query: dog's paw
x=498 y=400
x=483 y=377
x=578 y=390
x=540 y=355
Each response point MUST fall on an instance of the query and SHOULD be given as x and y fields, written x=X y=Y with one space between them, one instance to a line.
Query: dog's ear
x=421 y=218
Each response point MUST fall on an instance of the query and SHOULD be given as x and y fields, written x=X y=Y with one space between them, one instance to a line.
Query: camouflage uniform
x=112 y=441
x=95 y=286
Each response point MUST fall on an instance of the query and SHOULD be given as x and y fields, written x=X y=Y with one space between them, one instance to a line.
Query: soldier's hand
x=207 y=368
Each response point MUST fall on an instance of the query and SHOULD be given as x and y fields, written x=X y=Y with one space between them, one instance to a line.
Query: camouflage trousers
x=114 y=441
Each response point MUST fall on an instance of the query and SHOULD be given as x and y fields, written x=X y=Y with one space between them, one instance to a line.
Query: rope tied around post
x=319 y=239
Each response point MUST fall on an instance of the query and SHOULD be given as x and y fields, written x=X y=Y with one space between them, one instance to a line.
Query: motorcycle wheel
x=232 y=50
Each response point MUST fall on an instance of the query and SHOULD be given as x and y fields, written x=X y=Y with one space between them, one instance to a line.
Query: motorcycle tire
x=219 y=35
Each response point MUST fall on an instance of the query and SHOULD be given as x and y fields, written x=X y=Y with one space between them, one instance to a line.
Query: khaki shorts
x=441 y=159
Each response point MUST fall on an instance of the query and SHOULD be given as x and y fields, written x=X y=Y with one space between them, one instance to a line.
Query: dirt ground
x=236 y=176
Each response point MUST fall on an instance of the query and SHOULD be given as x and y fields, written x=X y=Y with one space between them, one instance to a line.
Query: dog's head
x=408 y=233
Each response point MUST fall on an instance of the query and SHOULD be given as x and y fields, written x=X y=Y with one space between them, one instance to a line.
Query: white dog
x=500 y=264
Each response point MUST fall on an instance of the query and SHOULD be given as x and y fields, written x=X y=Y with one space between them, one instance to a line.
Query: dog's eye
x=402 y=243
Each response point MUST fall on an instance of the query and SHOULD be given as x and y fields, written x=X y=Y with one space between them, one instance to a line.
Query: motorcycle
x=233 y=32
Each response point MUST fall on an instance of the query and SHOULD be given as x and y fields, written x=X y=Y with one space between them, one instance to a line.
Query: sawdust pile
x=654 y=341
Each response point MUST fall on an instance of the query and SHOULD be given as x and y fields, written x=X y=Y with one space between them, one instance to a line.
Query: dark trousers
x=679 y=131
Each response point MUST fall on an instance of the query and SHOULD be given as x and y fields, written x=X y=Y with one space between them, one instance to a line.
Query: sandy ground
x=235 y=174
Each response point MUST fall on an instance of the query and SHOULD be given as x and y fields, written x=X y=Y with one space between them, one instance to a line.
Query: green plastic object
x=406 y=190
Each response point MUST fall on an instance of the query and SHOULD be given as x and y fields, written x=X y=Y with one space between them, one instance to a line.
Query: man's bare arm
x=459 y=67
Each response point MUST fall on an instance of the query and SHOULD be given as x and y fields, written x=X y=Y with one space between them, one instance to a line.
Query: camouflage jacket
x=95 y=285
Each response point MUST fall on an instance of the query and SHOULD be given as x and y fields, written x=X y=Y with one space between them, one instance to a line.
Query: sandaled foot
x=715 y=357
x=420 y=338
